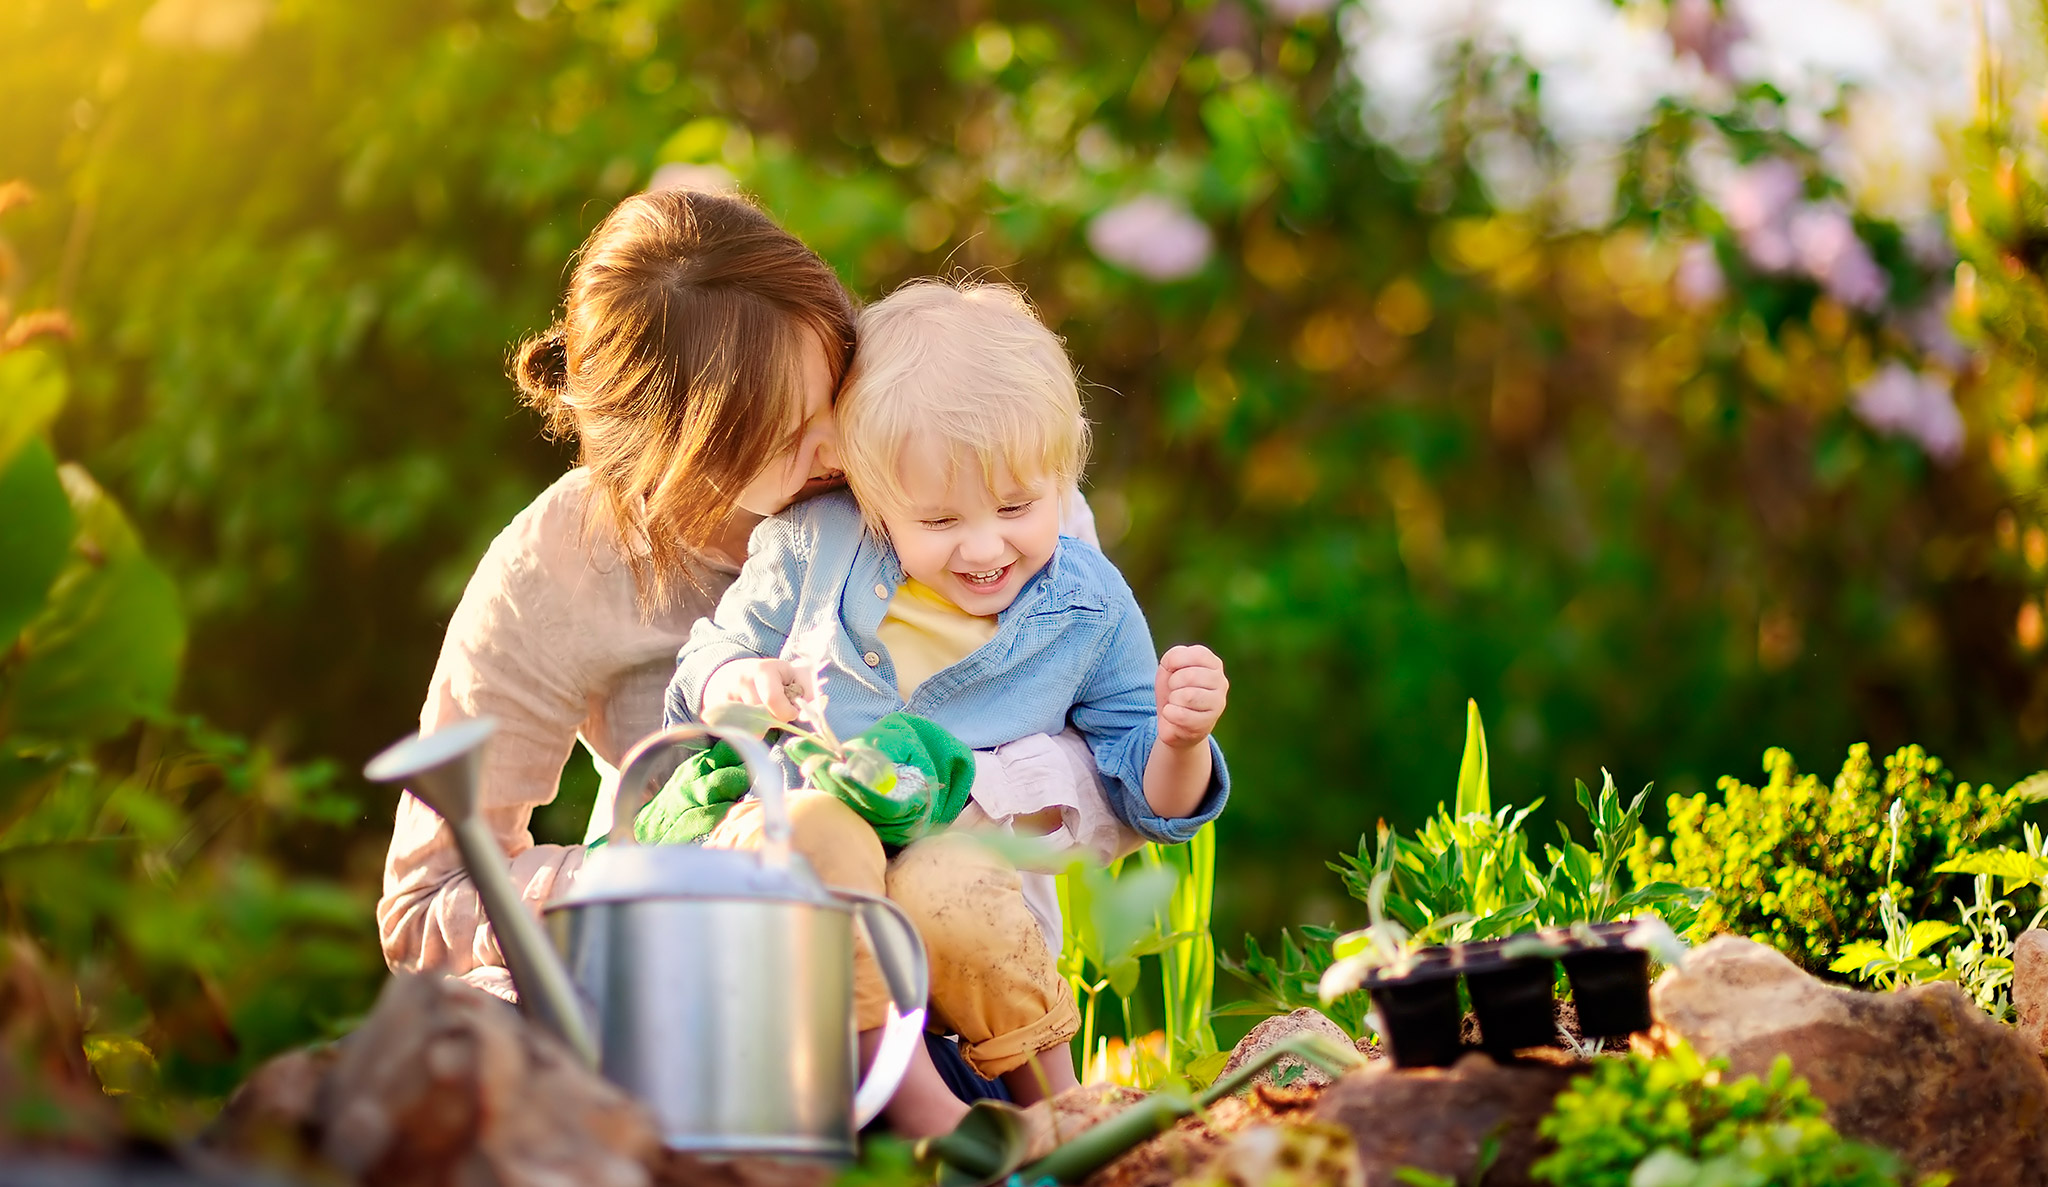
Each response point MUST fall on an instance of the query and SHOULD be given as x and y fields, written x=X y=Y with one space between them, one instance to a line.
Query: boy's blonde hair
x=971 y=366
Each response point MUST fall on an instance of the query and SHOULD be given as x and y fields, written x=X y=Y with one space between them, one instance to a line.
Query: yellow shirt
x=926 y=634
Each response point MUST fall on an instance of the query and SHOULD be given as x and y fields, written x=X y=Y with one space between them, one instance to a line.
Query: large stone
x=2030 y=986
x=1440 y=1120
x=445 y=1084
x=1922 y=1071
x=1288 y=1070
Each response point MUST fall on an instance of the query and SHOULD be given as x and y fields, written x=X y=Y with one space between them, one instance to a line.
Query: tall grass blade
x=1475 y=795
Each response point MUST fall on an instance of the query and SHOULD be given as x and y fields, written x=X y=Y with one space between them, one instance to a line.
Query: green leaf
x=870 y=768
x=1475 y=796
x=1202 y=1071
x=1859 y=955
x=1927 y=933
x=2010 y=867
x=751 y=719
x=107 y=648
x=35 y=534
x=32 y=389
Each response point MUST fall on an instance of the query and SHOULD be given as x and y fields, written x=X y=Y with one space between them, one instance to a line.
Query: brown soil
x=1182 y=1150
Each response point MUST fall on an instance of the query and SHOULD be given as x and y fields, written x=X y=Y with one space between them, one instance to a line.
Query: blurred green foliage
x=147 y=857
x=1803 y=865
x=1386 y=445
x=1680 y=1121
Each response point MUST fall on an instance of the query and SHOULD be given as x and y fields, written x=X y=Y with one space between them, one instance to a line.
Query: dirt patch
x=1191 y=1144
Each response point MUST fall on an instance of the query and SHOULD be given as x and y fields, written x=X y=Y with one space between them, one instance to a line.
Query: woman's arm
x=511 y=652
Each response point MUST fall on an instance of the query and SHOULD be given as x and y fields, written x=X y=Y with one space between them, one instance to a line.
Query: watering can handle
x=900 y=954
x=644 y=764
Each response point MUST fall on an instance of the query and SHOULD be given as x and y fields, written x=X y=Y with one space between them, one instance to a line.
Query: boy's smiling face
x=972 y=540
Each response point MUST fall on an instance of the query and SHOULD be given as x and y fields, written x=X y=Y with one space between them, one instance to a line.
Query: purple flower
x=1152 y=236
x=1759 y=202
x=1706 y=30
x=1905 y=403
x=1699 y=280
x=1829 y=250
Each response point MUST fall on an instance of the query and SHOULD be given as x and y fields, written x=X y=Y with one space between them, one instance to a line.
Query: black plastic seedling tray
x=1510 y=984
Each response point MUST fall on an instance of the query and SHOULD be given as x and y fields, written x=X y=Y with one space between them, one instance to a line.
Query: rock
x=1290 y=1071
x=274 y=1118
x=446 y=1084
x=2030 y=985
x=1922 y=1071
x=1438 y=1119
x=1306 y=1154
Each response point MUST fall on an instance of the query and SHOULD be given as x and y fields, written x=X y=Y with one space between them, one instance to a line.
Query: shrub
x=1679 y=1120
x=1800 y=864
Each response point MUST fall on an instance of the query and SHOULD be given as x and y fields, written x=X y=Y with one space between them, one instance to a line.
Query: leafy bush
x=1801 y=865
x=1981 y=961
x=1639 y=1122
x=142 y=854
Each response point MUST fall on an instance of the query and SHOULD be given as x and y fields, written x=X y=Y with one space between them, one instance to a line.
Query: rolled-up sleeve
x=1119 y=715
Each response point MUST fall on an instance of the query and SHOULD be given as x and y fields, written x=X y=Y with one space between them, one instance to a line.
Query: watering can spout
x=441 y=769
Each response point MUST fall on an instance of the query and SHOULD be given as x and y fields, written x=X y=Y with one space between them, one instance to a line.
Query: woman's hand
x=1191 y=691
x=770 y=683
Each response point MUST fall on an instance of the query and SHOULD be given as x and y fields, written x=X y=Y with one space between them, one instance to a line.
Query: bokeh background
x=1660 y=375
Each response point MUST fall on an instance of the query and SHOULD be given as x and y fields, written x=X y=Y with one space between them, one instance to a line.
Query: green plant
x=1289 y=980
x=1187 y=967
x=1585 y=884
x=1640 y=1121
x=1982 y=964
x=1806 y=866
x=1114 y=917
x=1465 y=875
x=1468 y=875
x=141 y=851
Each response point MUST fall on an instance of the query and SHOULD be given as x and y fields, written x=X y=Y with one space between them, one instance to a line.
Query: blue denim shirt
x=1073 y=647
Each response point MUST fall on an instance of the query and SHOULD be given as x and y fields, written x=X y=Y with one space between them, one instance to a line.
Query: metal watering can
x=715 y=985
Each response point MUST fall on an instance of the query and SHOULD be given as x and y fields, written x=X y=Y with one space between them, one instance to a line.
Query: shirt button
x=881 y=591
x=871 y=659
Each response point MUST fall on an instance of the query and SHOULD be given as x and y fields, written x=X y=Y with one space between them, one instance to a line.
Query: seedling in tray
x=1415 y=988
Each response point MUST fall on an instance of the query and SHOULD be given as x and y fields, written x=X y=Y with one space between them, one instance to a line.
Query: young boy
x=948 y=593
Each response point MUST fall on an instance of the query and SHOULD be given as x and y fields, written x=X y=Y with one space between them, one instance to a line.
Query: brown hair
x=677 y=366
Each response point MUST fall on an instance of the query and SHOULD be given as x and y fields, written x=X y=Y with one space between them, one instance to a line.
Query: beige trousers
x=994 y=983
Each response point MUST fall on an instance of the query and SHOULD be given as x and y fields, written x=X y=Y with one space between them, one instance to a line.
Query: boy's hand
x=1191 y=689
x=769 y=683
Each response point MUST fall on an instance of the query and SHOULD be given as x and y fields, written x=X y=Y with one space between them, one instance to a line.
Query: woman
x=695 y=363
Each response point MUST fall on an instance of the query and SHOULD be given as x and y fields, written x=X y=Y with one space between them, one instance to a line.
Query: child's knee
x=840 y=845
x=962 y=896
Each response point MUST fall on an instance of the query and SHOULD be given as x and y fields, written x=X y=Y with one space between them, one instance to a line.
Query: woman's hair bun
x=541 y=368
